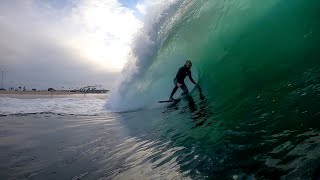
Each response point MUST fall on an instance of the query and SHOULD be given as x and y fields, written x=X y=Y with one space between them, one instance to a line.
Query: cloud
x=141 y=8
x=65 y=42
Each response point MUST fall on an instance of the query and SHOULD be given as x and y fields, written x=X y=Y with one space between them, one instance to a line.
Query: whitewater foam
x=143 y=81
x=78 y=105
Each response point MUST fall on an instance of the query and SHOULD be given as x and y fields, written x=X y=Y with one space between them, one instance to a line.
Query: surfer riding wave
x=178 y=81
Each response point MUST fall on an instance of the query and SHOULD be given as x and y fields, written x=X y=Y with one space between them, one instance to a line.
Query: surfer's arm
x=190 y=77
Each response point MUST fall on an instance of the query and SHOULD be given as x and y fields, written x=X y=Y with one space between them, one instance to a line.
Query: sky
x=66 y=43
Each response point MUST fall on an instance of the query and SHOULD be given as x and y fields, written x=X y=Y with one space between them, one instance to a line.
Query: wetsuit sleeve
x=190 y=77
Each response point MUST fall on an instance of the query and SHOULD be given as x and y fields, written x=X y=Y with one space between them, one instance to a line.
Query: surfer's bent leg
x=173 y=91
x=184 y=89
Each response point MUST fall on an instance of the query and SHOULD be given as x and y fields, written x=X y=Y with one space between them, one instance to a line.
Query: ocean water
x=255 y=114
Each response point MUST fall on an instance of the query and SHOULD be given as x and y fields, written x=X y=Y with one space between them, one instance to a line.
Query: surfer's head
x=188 y=64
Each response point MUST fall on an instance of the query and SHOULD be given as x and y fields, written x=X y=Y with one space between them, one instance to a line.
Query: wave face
x=257 y=63
x=239 y=50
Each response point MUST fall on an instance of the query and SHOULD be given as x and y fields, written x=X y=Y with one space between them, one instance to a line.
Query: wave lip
x=134 y=90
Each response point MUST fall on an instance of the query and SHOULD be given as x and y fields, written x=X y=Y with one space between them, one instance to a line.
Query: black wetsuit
x=181 y=75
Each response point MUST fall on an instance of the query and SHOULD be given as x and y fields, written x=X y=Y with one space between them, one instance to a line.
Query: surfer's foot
x=171 y=99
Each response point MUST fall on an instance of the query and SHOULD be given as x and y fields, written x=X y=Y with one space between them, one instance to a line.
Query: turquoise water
x=257 y=63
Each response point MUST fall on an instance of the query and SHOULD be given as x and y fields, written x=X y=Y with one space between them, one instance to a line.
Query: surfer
x=179 y=79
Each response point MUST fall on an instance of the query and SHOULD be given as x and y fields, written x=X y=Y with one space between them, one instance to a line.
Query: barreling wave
x=240 y=49
x=257 y=64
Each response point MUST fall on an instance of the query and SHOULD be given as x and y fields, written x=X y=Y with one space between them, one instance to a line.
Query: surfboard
x=167 y=101
x=183 y=96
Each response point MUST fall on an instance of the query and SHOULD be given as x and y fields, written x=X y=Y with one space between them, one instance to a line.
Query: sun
x=106 y=34
x=110 y=57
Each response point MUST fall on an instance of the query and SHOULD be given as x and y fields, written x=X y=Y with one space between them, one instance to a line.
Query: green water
x=257 y=112
x=258 y=67
x=250 y=52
